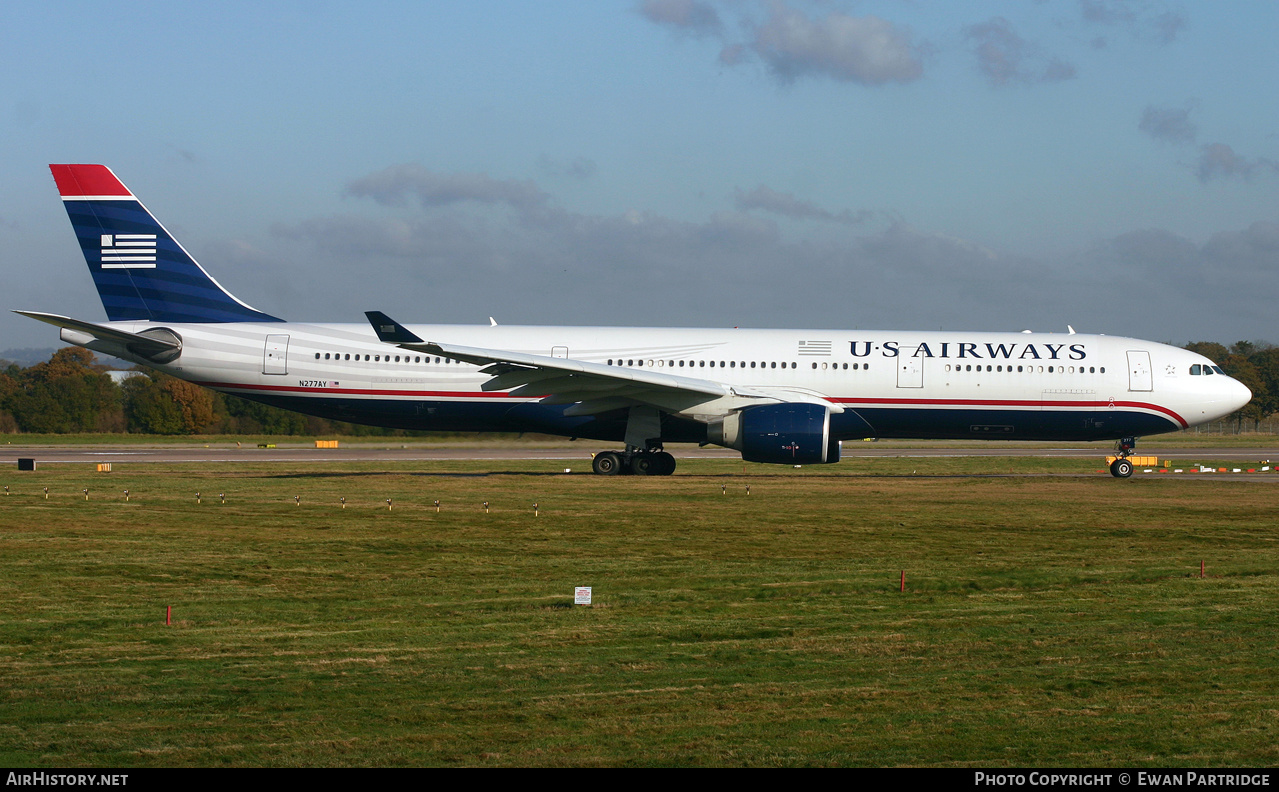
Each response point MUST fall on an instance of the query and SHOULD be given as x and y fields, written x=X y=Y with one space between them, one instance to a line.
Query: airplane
x=777 y=396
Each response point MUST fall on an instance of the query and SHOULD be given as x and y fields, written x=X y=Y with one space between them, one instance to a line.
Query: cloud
x=786 y=204
x=1168 y=25
x=447 y=263
x=691 y=17
x=1216 y=160
x=866 y=50
x=1142 y=19
x=392 y=186
x=1171 y=124
x=1219 y=161
x=1004 y=57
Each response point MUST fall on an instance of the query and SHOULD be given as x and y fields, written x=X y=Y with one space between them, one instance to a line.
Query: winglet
x=389 y=330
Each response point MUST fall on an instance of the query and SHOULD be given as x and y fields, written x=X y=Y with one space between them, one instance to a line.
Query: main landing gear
x=633 y=461
x=1122 y=467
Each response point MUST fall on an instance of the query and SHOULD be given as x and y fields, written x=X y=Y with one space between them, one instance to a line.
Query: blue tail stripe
x=175 y=289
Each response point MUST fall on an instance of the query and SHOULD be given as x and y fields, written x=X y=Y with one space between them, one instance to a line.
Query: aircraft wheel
x=607 y=463
x=1121 y=468
x=665 y=463
x=644 y=465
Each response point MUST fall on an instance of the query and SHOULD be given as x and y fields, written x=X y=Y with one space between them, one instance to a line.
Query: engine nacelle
x=781 y=434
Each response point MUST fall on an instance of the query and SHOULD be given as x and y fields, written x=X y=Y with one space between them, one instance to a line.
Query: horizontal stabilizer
x=160 y=344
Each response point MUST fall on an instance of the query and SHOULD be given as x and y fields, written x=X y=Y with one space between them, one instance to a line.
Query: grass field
x=1046 y=620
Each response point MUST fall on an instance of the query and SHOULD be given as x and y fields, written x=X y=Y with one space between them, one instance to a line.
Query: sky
x=1112 y=165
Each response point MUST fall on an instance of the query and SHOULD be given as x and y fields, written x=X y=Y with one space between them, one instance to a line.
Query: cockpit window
x=1208 y=370
x=1218 y=370
x=1195 y=370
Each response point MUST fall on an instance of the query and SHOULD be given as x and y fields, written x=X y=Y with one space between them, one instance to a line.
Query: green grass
x=1047 y=620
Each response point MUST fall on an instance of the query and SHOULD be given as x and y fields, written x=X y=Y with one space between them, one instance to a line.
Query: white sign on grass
x=582 y=595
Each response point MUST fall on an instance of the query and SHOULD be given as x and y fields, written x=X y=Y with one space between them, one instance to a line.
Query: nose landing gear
x=1122 y=467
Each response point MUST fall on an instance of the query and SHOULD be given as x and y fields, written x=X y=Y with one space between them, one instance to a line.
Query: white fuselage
x=900 y=383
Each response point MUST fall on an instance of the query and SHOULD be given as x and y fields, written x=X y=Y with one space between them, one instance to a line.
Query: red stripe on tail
x=82 y=180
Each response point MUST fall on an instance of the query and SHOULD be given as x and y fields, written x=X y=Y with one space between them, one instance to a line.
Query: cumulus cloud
x=767 y=199
x=1170 y=124
x=692 y=17
x=867 y=50
x=1004 y=57
x=1219 y=161
x=1142 y=19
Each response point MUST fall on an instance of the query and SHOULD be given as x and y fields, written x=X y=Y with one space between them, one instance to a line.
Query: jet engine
x=780 y=434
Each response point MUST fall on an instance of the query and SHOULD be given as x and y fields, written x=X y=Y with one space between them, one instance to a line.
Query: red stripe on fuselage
x=360 y=391
x=850 y=401
x=1012 y=403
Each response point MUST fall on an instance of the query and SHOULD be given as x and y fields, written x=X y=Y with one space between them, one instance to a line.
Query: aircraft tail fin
x=141 y=271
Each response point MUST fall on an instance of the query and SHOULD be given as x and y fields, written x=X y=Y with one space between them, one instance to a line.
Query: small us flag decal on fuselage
x=128 y=251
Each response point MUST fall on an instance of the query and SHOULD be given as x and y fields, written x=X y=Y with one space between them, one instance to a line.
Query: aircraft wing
x=589 y=387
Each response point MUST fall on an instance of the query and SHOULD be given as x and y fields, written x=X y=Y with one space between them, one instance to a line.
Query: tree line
x=72 y=393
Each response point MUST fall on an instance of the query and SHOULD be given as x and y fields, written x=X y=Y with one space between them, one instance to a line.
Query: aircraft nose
x=1237 y=394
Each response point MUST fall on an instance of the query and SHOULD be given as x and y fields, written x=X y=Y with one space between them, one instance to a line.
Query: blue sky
x=983 y=165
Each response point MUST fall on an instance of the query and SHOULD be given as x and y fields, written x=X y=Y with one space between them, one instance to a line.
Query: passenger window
x=317 y=355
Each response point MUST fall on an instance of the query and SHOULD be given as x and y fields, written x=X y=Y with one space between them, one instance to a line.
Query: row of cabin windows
x=382 y=358
x=1195 y=370
x=654 y=363
x=1033 y=369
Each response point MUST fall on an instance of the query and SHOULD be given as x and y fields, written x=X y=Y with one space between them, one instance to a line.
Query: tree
x=63 y=394
x=1209 y=349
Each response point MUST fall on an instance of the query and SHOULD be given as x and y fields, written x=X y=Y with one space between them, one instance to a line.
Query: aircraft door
x=275 y=355
x=1139 y=374
x=910 y=372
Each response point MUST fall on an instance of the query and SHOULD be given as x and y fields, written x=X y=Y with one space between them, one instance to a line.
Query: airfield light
x=126 y=496
x=343 y=499
x=46 y=493
x=388 y=504
x=486 y=507
x=297 y=499
x=222 y=497
x=437 y=506
x=535 y=509
x=86 y=493
x=197 y=498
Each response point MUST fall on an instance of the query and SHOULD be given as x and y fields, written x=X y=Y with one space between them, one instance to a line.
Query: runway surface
x=579 y=452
